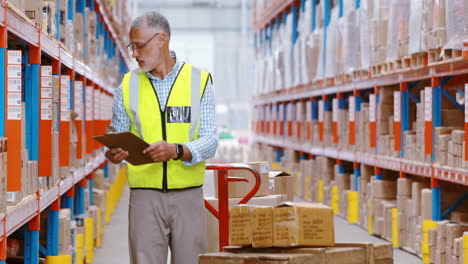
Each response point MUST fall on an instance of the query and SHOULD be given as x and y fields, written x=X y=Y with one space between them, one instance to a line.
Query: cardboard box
x=404 y=186
x=303 y=224
x=212 y=232
x=384 y=189
x=282 y=183
x=33 y=10
x=65 y=242
x=459 y=217
x=262 y=226
x=426 y=204
x=255 y=258
x=240 y=232
x=349 y=253
x=240 y=189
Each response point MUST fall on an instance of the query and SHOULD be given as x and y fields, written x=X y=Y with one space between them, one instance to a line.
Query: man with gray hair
x=169 y=104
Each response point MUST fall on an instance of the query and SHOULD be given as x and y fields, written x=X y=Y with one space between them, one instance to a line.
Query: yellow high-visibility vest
x=178 y=123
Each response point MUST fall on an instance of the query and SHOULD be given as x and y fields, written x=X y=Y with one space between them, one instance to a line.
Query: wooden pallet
x=419 y=60
x=388 y=67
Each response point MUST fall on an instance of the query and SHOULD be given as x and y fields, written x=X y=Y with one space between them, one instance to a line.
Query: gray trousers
x=158 y=220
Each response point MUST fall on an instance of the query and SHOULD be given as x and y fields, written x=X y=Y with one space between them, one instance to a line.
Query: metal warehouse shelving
x=39 y=46
x=325 y=89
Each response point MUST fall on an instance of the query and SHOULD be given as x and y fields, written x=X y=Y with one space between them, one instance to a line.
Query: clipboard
x=128 y=142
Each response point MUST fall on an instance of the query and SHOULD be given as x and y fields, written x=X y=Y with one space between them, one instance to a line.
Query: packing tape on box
x=320 y=191
x=395 y=241
x=353 y=207
x=335 y=199
x=425 y=250
x=307 y=188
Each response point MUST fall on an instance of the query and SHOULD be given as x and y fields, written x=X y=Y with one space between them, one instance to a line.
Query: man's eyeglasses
x=133 y=47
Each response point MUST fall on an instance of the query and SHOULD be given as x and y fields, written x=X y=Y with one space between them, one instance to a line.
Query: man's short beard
x=143 y=69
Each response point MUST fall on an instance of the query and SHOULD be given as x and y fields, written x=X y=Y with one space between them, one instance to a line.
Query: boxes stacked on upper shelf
x=362 y=129
x=385 y=119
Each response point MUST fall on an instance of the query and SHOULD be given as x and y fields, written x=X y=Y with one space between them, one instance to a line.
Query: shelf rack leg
x=68 y=202
x=357 y=174
x=404 y=116
x=80 y=198
x=436 y=200
x=53 y=229
x=378 y=173
x=91 y=187
x=31 y=241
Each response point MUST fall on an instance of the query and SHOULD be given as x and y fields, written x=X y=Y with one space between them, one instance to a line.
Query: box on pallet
x=303 y=224
x=212 y=224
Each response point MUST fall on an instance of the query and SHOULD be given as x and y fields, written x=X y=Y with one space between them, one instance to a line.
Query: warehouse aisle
x=115 y=243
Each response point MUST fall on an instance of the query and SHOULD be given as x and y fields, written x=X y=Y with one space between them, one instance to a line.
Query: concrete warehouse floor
x=115 y=243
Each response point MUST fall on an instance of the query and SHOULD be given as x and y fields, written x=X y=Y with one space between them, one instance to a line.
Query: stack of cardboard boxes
x=385 y=119
x=362 y=129
x=286 y=225
x=291 y=233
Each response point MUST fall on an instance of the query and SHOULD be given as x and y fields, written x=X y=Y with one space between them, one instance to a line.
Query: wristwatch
x=179 y=151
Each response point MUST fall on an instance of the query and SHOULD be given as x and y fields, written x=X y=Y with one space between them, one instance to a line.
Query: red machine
x=223 y=205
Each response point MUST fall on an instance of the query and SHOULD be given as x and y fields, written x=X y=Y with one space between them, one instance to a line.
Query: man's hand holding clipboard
x=129 y=147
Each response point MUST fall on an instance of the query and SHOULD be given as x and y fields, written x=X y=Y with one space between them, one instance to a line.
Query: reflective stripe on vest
x=194 y=100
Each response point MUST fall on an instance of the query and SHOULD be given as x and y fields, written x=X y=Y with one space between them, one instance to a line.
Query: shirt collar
x=174 y=70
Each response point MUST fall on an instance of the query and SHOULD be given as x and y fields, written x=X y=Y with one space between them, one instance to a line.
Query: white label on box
x=14 y=99
x=352 y=108
x=46 y=71
x=14 y=71
x=46 y=114
x=335 y=109
x=14 y=85
x=64 y=115
x=14 y=56
x=14 y=113
x=397 y=106
x=372 y=108
x=428 y=104
x=321 y=109
x=309 y=111
x=46 y=81
x=46 y=92
x=264 y=168
x=46 y=103
x=466 y=103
